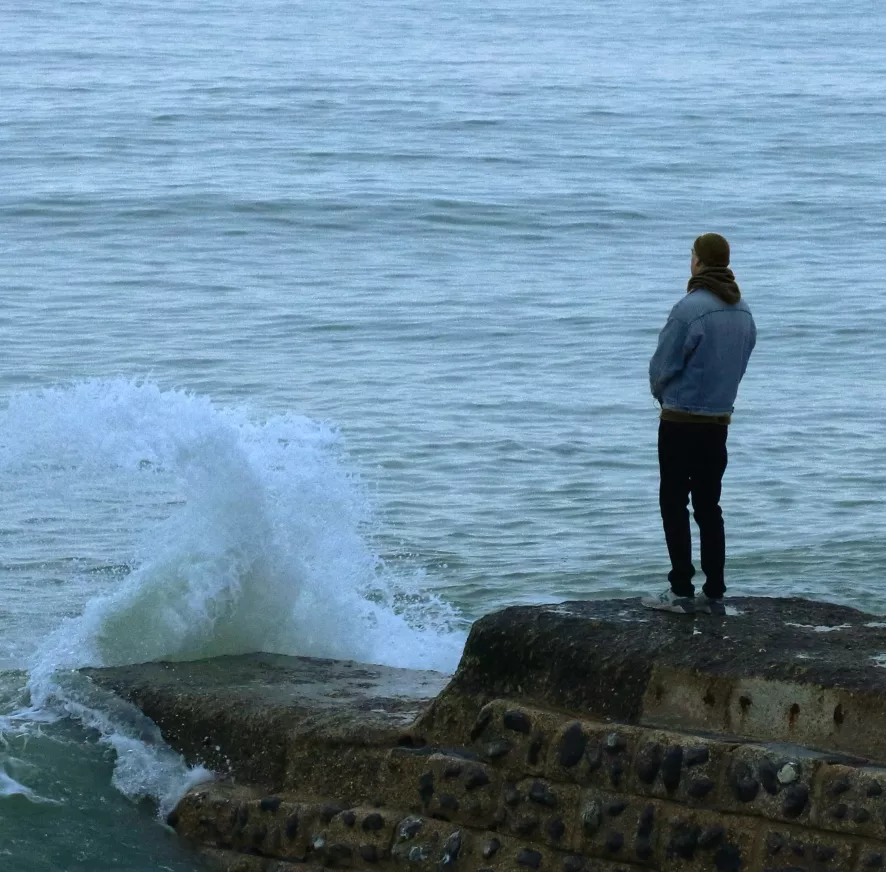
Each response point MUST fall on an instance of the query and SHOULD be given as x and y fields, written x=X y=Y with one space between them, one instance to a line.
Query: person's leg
x=708 y=465
x=673 y=498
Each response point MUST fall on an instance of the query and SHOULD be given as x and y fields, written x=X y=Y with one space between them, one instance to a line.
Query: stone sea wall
x=584 y=737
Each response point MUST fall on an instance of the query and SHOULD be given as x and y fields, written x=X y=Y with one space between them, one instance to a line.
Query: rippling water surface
x=330 y=322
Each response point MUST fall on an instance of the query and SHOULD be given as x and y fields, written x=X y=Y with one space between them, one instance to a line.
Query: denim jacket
x=702 y=354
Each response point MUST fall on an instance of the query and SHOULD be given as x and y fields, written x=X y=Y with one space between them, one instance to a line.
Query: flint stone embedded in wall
x=542 y=794
x=453 y=768
x=699 y=841
x=491 y=848
x=409 y=828
x=484 y=719
x=596 y=754
x=476 y=776
x=672 y=766
x=648 y=762
x=434 y=847
x=518 y=721
x=441 y=784
x=532 y=809
x=852 y=801
x=572 y=746
x=617 y=825
x=530 y=859
x=750 y=769
x=591 y=815
x=234 y=817
x=536 y=811
x=555 y=830
x=370 y=838
x=496 y=749
x=502 y=729
x=792 y=849
x=745 y=785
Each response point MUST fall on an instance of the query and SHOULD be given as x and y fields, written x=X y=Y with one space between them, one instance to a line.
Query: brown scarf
x=719 y=280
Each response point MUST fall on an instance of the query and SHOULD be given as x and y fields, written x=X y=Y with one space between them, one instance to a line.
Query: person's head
x=710 y=249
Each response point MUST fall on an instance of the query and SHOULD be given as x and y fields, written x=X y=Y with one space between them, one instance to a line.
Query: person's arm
x=670 y=356
x=752 y=341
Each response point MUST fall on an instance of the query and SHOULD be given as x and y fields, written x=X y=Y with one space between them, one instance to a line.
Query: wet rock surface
x=597 y=656
x=241 y=715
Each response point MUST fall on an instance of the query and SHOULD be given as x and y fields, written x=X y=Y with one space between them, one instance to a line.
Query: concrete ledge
x=774 y=669
x=260 y=717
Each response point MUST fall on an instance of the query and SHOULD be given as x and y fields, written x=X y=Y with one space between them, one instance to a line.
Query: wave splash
x=257 y=542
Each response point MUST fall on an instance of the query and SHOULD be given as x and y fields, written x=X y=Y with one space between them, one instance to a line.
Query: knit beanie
x=712 y=249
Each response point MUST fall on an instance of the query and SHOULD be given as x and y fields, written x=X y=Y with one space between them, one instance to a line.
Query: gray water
x=325 y=328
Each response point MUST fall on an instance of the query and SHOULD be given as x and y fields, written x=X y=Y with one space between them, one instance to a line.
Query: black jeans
x=692 y=459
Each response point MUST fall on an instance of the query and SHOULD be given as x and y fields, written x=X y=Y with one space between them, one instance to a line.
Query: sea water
x=325 y=329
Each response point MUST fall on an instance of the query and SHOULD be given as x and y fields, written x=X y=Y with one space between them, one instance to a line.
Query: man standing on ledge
x=702 y=354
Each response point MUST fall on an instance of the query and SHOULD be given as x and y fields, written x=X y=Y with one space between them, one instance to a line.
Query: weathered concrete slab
x=579 y=737
x=775 y=669
x=259 y=717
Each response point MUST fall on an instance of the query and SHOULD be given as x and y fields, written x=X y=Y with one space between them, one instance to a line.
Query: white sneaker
x=668 y=601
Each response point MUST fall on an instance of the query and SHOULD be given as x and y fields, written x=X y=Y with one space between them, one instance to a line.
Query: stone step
x=525 y=768
x=567 y=791
x=608 y=832
x=238 y=830
x=772 y=669
x=579 y=737
x=268 y=719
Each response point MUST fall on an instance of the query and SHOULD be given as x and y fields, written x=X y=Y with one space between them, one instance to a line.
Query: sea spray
x=10 y=787
x=243 y=535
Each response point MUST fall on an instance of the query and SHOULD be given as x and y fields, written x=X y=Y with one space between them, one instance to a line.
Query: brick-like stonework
x=531 y=789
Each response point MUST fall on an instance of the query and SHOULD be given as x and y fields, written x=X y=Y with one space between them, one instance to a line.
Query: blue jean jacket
x=703 y=352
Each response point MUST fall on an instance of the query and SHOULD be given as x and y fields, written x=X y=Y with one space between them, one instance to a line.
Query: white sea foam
x=263 y=547
x=10 y=787
x=820 y=628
